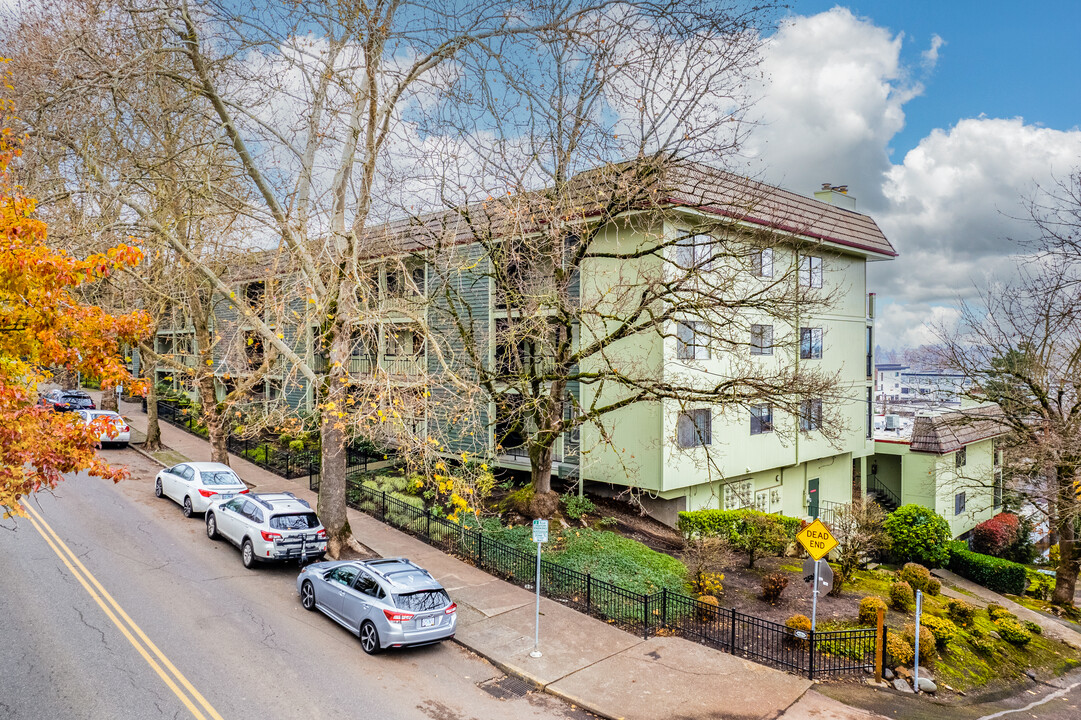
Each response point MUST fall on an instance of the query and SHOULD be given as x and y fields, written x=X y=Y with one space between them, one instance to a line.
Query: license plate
x=225 y=496
x=427 y=622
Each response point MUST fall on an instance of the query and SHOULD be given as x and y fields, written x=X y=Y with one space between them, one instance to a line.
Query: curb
x=147 y=455
x=548 y=689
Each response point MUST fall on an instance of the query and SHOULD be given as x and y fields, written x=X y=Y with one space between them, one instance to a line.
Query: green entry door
x=812 y=497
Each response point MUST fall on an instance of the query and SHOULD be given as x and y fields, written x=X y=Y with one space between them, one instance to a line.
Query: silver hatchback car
x=388 y=603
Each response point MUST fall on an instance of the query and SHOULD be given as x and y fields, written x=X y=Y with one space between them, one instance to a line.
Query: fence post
x=811 y=657
x=732 y=632
x=880 y=644
x=589 y=591
x=384 y=515
x=480 y=549
x=664 y=606
x=645 y=617
x=428 y=532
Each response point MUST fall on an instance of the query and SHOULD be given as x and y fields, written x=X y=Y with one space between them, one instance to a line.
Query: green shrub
x=961 y=612
x=869 y=609
x=928 y=649
x=941 y=628
x=995 y=574
x=1033 y=627
x=575 y=507
x=933 y=587
x=1013 y=632
x=1000 y=613
x=1039 y=585
x=798 y=622
x=918 y=534
x=773 y=584
x=618 y=560
x=708 y=608
x=916 y=575
x=899 y=649
x=901 y=596
x=296 y=445
x=722 y=523
x=984 y=645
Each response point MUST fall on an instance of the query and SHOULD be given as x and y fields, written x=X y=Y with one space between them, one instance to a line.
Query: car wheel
x=158 y=492
x=307 y=596
x=211 y=526
x=369 y=638
x=188 y=511
x=247 y=554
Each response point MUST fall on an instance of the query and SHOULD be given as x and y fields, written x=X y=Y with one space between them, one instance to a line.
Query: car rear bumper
x=400 y=637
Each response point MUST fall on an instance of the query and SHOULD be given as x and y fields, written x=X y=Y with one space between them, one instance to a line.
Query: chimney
x=836 y=195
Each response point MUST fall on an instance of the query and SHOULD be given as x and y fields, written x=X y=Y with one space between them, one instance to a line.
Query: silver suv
x=268 y=526
x=388 y=603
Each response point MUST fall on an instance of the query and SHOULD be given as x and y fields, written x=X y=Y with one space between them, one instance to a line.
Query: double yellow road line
x=192 y=699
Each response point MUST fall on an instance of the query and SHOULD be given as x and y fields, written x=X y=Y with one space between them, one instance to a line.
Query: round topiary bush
x=933 y=587
x=899 y=649
x=773 y=584
x=961 y=612
x=901 y=596
x=708 y=607
x=798 y=622
x=943 y=630
x=997 y=612
x=916 y=575
x=1013 y=632
x=918 y=534
x=869 y=609
x=928 y=648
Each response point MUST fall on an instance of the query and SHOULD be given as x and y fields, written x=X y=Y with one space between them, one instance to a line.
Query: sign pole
x=540 y=536
x=916 y=663
x=814 y=598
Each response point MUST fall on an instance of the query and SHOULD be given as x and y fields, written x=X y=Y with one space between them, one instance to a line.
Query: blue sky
x=1002 y=59
x=942 y=118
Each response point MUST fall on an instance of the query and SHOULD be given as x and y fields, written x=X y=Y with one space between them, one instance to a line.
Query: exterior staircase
x=882 y=495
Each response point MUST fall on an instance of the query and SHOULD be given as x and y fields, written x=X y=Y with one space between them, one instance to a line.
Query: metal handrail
x=876 y=486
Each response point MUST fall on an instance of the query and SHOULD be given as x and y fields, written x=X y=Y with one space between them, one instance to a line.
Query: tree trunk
x=333 y=466
x=153 y=430
x=1069 y=558
x=545 y=502
x=214 y=417
x=109 y=398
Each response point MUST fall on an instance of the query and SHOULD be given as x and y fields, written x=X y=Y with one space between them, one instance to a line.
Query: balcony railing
x=410 y=366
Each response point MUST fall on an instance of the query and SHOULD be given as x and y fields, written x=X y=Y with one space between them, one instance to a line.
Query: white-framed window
x=761 y=419
x=738 y=494
x=810 y=415
x=960 y=457
x=692 y=341
x=959 y=503
x=810 y=271
x=761 y=339
x=694 y=428
x=762 y=263
x=694 y=251
x=810 y=343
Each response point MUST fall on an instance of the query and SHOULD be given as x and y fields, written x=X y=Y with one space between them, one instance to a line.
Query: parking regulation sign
x=540 y=531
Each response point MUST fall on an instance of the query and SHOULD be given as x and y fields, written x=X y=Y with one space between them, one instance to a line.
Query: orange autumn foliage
x=43 y=325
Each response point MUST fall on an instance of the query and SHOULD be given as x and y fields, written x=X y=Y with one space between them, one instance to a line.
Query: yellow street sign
x=816 y=539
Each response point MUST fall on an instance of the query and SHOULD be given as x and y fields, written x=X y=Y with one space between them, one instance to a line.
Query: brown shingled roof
x=717 y=191
x=951 y=431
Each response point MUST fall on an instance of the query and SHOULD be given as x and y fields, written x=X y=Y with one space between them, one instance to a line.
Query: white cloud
x=953 y=207
x=912 y=324
x=833 y=100
x=929 y=57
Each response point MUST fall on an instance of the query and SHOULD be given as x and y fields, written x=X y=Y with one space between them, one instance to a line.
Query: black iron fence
x=813 y=654
x=264 y=452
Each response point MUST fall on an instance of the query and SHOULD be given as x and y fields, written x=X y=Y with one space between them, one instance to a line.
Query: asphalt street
x=114 y=606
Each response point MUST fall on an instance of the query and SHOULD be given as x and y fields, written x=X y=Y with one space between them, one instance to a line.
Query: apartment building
x=675 y=455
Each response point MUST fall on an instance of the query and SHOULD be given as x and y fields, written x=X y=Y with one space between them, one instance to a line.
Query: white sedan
x=195 y=485
x=114 y=429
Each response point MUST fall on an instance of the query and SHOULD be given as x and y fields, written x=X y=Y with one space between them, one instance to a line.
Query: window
x=761 y=339
x=254 y=294
x=761 y=419
x=961 y=457
x=996 y=452
x=959 y=503
x=423 y=600
x=997 y=492
x=367 y=585
x=762 y=263
x=395 y=282
x=810 y=343
x=294 y=521
x=870 y=413
x=870 y=352
x=695 y=428
x=343 y=575
x=418 y=280
x=692 y=341
x=810 y=271
x=810 y=415
x=738 y=494
x=694 y=251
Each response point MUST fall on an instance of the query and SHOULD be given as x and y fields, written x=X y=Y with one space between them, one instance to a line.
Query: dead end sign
x=816 y=540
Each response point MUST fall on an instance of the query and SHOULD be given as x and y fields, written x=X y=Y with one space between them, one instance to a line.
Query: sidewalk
x=586 y=661
x=1052 y=627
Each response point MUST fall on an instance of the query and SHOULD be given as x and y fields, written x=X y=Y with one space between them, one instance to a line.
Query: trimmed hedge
x=993 y=573
x=721 y=523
